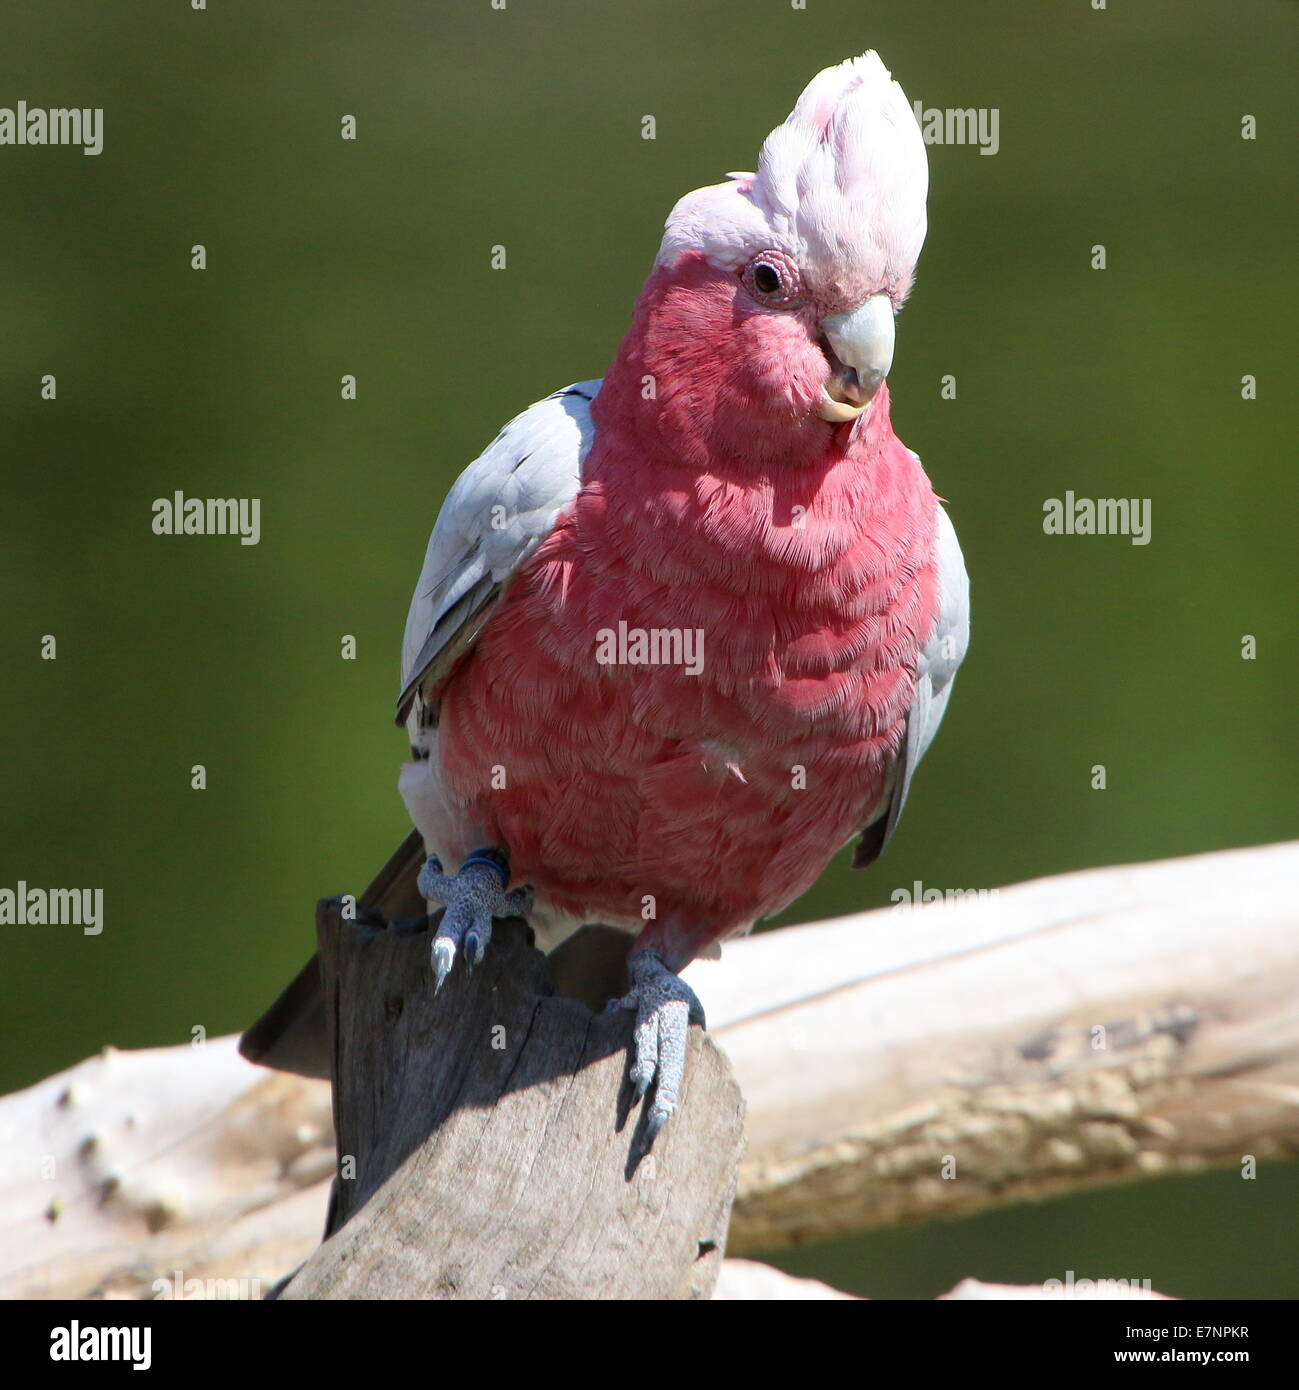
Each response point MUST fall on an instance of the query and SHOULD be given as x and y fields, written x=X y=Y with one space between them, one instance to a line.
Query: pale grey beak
x=862 y=341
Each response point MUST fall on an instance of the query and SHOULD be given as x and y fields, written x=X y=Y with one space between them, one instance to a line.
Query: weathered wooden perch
x=1123 y=1022
x=487 y=1143
x=1109 y=1025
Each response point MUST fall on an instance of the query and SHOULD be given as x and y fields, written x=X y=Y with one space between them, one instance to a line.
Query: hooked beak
x=860 y=353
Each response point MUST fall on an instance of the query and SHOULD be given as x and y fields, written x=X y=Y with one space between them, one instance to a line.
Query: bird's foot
x=472 y=898
x=665 y=1008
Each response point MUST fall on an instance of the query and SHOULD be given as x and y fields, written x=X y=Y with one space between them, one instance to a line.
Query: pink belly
x=609 y=813
x=695 y=804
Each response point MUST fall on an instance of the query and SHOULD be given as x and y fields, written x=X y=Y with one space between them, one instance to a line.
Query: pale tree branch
x=1120 y=1023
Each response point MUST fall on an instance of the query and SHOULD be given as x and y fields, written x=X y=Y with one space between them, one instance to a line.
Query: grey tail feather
x=293 y=1034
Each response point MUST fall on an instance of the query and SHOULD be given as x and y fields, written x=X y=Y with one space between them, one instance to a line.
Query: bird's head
x=787 y=280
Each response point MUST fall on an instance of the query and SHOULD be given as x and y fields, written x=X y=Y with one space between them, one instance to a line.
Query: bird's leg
x=472 y=898
x=665 y=1008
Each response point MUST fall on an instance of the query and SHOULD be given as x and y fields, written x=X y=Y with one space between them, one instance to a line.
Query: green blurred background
x=523 y=127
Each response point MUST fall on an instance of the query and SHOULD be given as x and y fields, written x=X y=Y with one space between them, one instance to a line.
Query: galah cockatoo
x=682 y=633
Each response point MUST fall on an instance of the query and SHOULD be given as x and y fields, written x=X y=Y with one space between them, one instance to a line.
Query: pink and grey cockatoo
x=732 y=489
x=683 y=633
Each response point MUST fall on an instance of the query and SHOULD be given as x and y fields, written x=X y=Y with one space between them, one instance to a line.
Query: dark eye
x=772 y=278
x=766 y=278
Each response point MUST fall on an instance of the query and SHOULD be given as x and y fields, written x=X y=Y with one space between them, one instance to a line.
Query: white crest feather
x=840 y=187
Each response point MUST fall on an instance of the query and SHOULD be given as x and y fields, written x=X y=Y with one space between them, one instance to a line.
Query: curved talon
x=432 y=870
x=472 y=898
x=444 y=957
x=665 y=1007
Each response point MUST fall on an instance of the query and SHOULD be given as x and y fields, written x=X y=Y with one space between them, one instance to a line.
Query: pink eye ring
x=772 y=278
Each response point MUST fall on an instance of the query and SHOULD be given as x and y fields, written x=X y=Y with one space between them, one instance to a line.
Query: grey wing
x=935 y=673
x=498 y=511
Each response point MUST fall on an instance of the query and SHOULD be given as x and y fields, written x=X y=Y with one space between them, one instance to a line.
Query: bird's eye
x=772 y=278
x=766 y=278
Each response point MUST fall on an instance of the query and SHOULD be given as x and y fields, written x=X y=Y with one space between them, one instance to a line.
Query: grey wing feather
x=498 y=511
x=935 y=673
